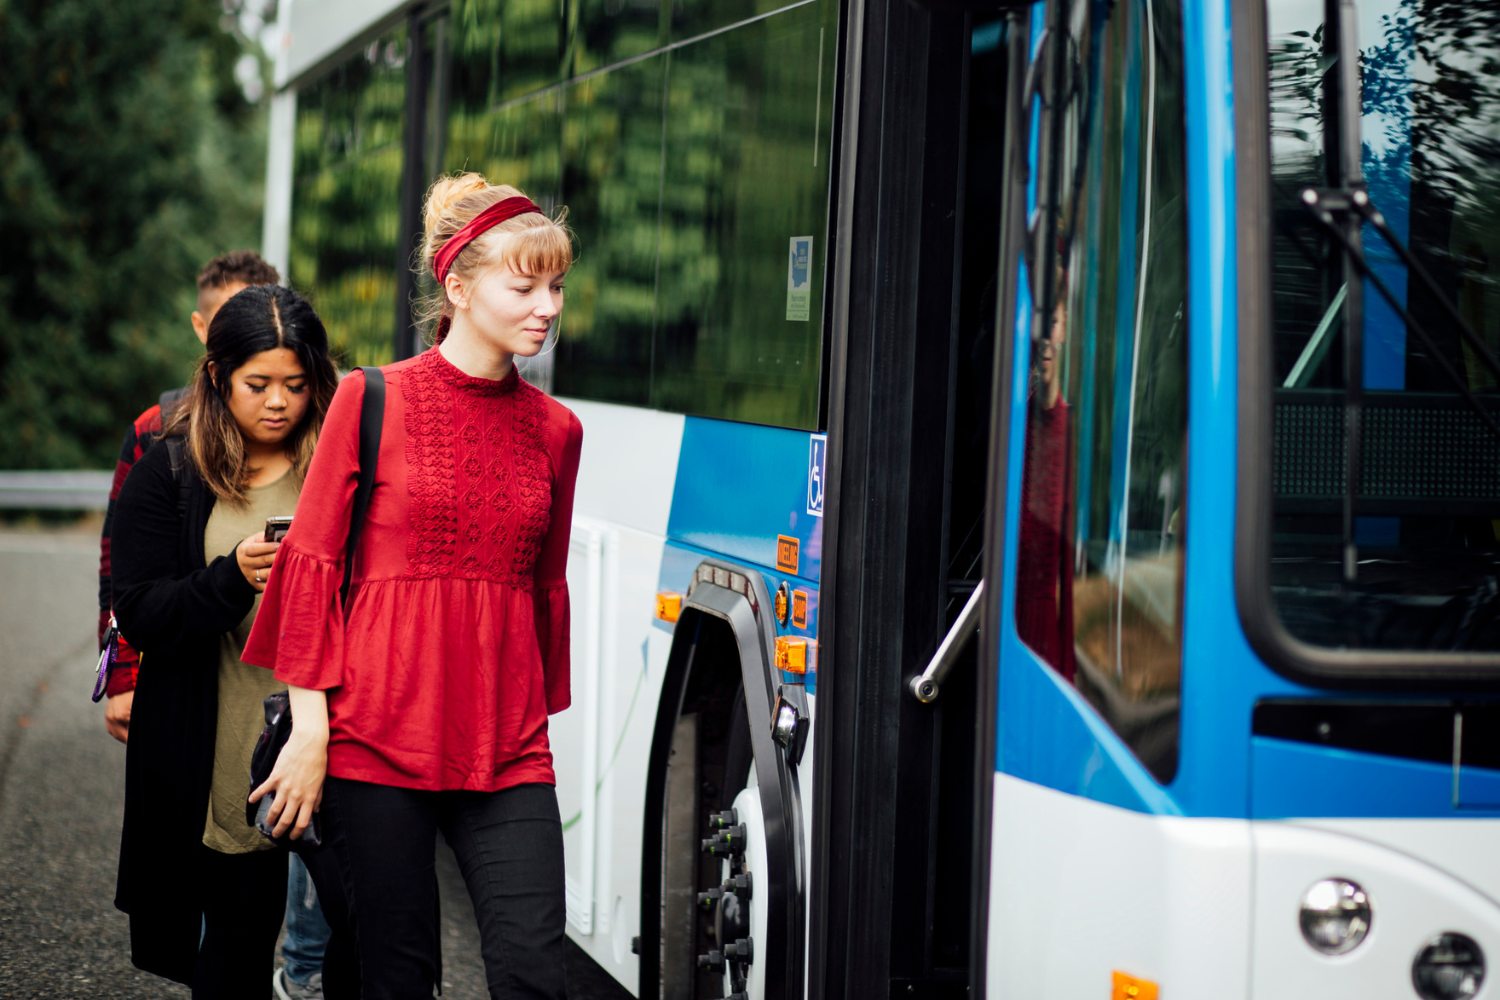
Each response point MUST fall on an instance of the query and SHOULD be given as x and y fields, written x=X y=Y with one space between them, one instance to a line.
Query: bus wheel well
x=715 y=695
x=700 y=759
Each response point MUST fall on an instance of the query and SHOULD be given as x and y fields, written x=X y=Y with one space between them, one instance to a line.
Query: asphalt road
x=61 y=798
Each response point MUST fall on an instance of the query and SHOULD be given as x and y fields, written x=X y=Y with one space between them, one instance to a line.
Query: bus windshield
x=1407 y=407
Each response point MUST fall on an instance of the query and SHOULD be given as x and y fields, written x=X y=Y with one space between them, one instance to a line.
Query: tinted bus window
x=612 y=145
x=696 y=178
x=1099 y=567
x=345 y=238
x=745 y=191
x=503 y=49
x=692 y=18
x=1418 y=564
x=607 y=32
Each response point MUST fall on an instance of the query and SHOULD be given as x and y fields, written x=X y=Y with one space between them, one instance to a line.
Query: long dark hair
x=259 y=318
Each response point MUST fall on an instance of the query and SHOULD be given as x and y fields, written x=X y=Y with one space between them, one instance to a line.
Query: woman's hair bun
x=447 y=192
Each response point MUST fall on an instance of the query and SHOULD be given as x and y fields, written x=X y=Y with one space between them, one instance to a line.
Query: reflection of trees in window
x=611 y=31
x=745 y=172
x=1453 y=87
x=686 y=174
x=1430 y=95
x=345 y=204
x=1297 y=66
x=612 y=184
x=503 y=49
x=1430 y=155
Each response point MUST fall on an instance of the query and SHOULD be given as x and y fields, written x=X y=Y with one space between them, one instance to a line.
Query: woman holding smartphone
x=424 y=699
x=204 y=890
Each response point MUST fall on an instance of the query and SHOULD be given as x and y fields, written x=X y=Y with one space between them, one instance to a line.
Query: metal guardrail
x=55 y=490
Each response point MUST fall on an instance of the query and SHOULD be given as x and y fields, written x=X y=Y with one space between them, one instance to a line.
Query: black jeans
x=244 y=899
x=509 y=848
x=340 y=960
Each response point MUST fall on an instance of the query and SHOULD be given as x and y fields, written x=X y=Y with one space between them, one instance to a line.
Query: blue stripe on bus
x=1222 y=676
x=739 y=487
x=1292 y=780
x=1051 y=736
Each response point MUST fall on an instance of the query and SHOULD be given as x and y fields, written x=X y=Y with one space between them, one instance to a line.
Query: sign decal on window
x=799 y=280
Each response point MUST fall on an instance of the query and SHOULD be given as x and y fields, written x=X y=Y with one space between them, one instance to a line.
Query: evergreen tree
x=128 y=157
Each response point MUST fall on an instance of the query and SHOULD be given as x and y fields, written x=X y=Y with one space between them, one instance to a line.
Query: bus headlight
x=1450 y=967
x=1335 y=916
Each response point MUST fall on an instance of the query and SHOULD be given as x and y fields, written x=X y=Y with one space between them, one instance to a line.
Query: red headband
x=491 y=217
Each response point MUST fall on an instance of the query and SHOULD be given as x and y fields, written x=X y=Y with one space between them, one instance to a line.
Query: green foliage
x=686 y=172
x=346 y=199
x=128 y=157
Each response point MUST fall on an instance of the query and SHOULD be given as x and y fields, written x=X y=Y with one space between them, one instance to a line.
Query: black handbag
x=267 y=748
x=278 y=706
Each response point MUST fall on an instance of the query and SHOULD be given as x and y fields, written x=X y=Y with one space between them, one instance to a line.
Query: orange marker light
x=668 y=605
x=791 y=654
x=1132 y=988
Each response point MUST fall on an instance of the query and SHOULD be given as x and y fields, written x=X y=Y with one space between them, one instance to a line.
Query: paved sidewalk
x=61 y=798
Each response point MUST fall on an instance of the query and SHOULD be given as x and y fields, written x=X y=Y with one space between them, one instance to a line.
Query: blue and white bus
x=1038 y=532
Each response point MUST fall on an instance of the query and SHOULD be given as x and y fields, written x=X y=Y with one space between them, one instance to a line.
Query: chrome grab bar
x=925 y=686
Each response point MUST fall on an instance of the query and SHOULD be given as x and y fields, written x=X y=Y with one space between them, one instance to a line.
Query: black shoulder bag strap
x=177 y=455
x=169 y=401
x=371 y=416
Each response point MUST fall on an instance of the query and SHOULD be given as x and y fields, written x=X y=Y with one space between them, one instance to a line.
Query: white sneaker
x=288 y=988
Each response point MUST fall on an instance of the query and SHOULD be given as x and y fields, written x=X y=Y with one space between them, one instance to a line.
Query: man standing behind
x=219 y=280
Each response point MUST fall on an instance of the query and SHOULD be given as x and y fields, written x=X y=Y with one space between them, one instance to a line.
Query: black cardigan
x=173 y=609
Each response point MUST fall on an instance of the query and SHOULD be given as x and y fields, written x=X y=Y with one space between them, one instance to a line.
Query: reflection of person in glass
x=1044 y=567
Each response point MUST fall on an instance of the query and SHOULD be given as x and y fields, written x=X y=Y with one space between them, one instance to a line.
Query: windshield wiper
x=1340 y=211
x=1323 y=205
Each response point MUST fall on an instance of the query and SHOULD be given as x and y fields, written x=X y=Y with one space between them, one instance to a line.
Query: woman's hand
x=255 y=556
x=296 y=780
x=117 y=715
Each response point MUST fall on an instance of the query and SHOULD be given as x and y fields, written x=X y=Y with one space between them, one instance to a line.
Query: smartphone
x=277 y=526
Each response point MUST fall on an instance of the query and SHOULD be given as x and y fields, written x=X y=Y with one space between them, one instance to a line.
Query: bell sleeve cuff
x=553 y=634
x=121 y=681
x=299 y=629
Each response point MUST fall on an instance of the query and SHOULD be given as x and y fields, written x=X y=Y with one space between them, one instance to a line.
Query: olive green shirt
x=241 y=686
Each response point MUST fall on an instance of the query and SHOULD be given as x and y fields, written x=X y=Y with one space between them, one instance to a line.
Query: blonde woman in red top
x=425 y=699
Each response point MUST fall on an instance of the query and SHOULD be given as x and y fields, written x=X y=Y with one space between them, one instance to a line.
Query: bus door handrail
x=926 y=685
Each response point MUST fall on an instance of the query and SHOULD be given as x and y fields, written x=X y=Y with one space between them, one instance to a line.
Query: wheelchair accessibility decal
x=817 y=467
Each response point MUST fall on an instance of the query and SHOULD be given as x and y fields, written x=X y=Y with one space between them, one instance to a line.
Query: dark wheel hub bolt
x=743 y=950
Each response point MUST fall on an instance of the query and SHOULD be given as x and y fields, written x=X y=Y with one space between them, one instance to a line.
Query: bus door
x=921 y=298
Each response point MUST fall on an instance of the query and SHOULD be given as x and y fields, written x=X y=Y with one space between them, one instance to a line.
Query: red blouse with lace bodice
x=453 y=648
